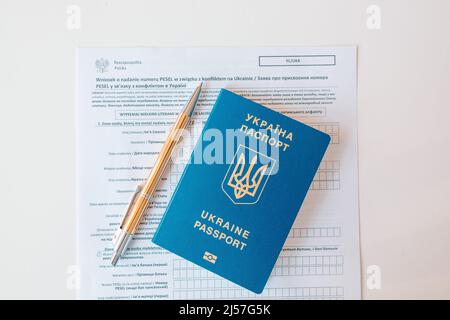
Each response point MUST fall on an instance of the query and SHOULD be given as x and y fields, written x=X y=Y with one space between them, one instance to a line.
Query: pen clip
x=133 y=200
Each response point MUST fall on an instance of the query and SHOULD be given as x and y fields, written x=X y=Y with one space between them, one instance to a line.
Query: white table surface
x=403 y=110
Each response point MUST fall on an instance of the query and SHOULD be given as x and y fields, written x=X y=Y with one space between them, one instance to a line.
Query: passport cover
x=233 y=209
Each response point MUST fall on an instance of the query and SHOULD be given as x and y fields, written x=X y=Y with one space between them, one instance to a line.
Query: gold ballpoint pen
x=144 y=192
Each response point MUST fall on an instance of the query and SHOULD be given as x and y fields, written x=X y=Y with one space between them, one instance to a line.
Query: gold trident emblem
x=243 y=184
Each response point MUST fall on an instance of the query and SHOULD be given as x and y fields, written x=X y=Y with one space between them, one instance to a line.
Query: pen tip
x=189 y=108
x=115 y=258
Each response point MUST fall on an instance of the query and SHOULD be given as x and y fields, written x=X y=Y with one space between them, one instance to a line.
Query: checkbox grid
x=187 y=275
x=328 y=176
x=331 y=128
x=326 y=265
x=175 y=172
x=301 y=293
x=318 y=232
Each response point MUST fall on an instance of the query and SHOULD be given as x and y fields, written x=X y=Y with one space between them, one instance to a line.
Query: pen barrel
x=142 y=199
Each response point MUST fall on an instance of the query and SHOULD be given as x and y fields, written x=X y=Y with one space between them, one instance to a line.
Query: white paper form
x=127 y=100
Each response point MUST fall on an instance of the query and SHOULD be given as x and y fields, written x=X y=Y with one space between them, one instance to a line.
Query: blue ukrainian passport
x=241 y=190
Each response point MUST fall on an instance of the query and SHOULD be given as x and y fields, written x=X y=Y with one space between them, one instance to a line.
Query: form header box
x=297 y=61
